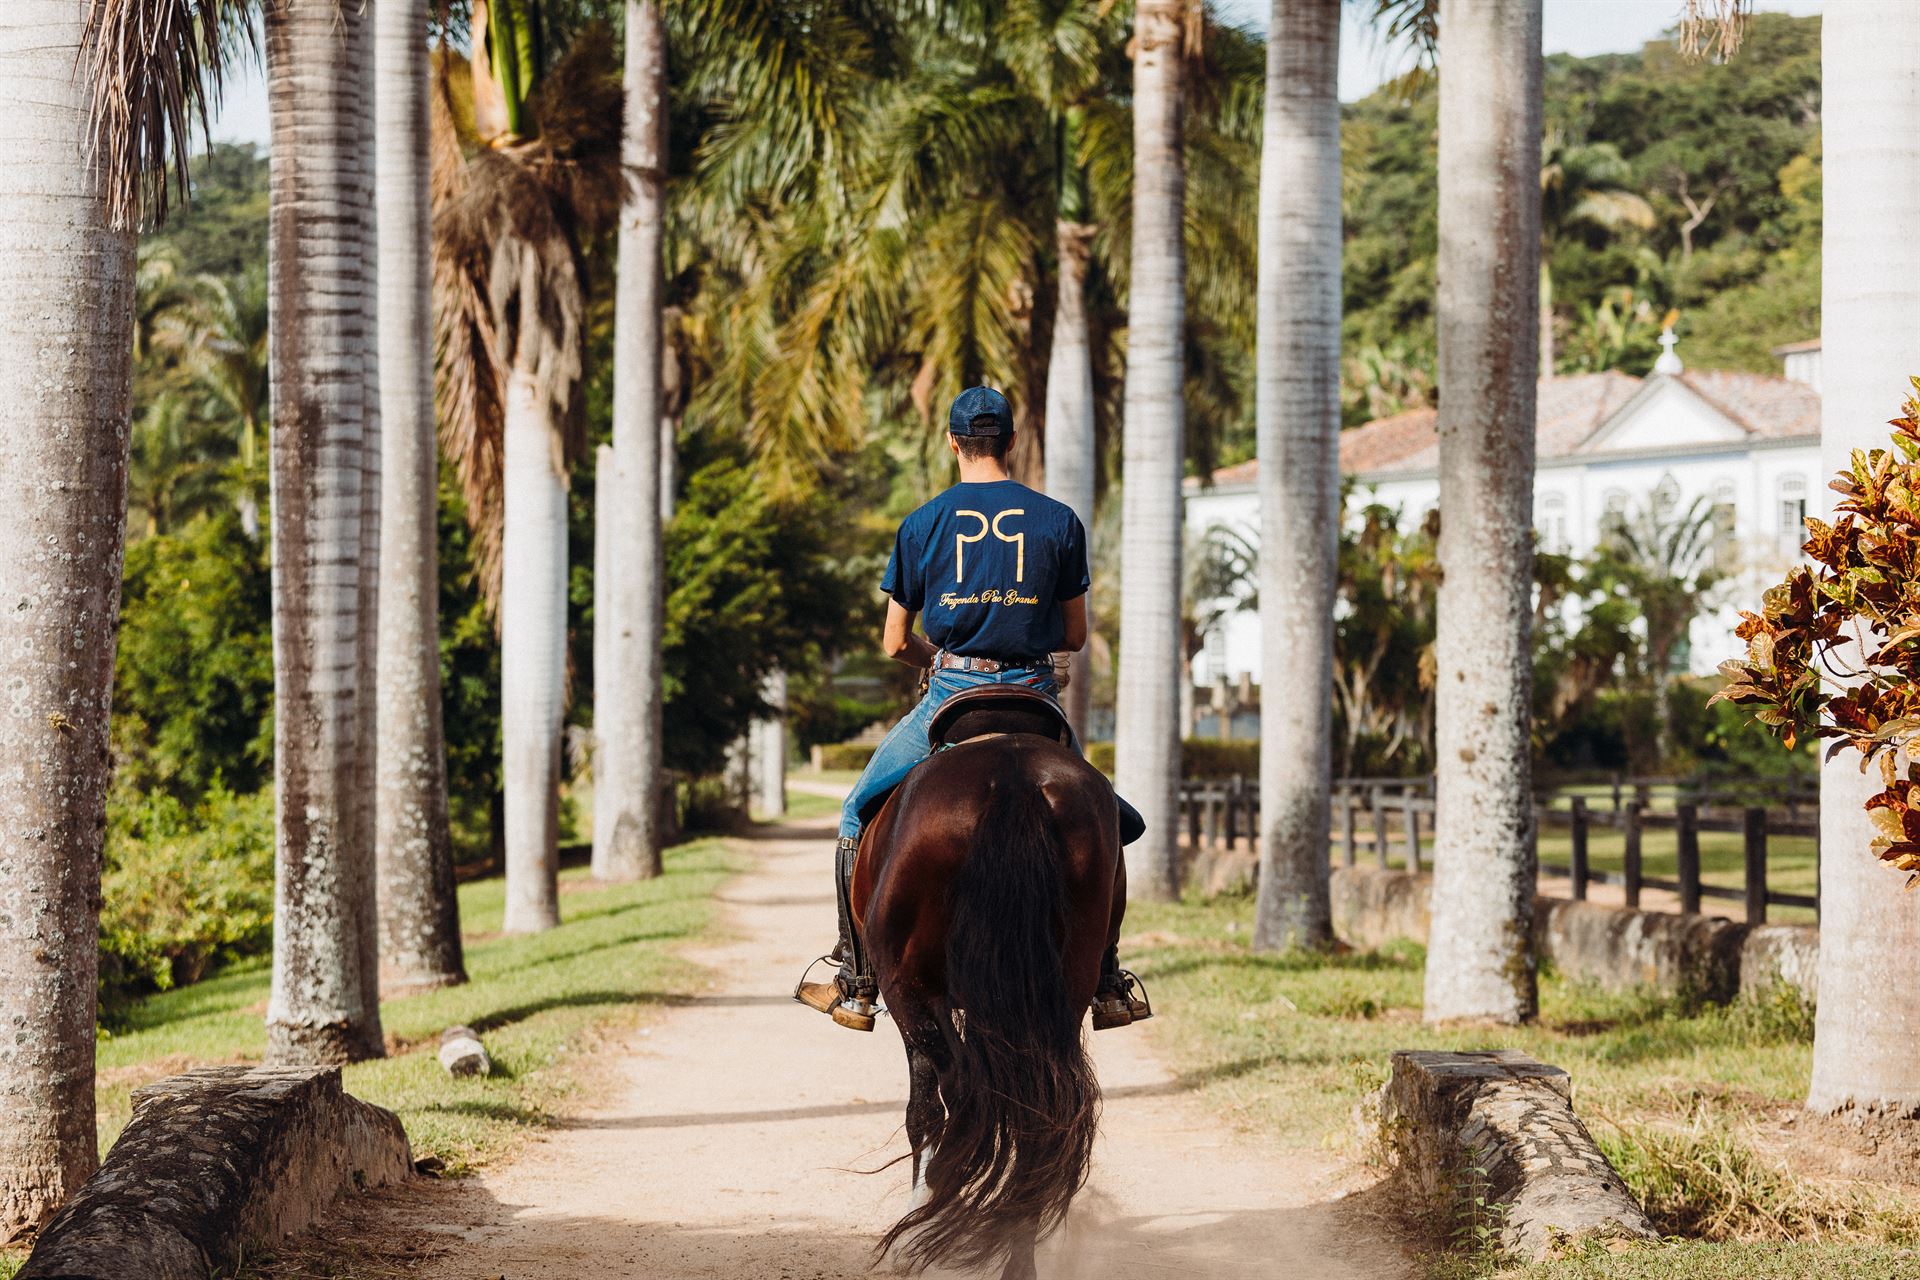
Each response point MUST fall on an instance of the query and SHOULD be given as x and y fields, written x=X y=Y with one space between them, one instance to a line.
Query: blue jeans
x=906 y=743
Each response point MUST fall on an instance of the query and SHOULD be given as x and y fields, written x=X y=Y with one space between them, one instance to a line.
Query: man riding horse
x=998 y=574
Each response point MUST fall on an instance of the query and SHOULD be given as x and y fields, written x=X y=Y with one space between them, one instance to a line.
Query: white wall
x=1750 y=476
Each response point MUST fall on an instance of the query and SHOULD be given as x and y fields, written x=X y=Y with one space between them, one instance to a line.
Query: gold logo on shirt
x=1018 y=539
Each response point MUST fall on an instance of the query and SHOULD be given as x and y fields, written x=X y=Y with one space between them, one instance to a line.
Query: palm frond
x=154 y=69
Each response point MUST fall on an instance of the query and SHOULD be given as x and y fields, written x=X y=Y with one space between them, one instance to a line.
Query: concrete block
x=1774 y=954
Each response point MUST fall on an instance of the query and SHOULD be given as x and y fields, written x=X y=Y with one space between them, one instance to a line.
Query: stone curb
x=1499 y=1127
x=213 y=1163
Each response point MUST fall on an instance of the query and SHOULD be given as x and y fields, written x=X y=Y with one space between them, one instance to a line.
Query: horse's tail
x=1021 y=1098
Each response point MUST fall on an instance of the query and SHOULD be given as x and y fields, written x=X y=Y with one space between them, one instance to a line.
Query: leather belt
x=944 y=661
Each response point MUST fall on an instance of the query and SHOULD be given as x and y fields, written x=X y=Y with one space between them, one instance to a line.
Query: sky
x=1582 y=27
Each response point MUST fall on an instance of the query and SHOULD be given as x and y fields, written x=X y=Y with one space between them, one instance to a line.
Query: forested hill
x=1667 y=184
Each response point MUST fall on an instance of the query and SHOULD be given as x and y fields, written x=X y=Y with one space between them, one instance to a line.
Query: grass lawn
x=804 y=804
x=1680 y=1097
x=534 y=999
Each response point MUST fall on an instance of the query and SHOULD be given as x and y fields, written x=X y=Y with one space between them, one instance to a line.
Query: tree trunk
x=1546 y=317
x=1868 y=1020
x=770 y=763
x=66 y=330
x=419 y=913
x=1479 y=964
x=533 y=655
x=367 y=756
x=1071 y=461
x=1298 y=414
x=627 y=789
x=323 y=1008
x=606 y=618
x=1147 y=734
x=669 y=468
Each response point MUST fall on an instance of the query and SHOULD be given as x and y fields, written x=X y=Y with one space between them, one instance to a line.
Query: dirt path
x=729 y=1144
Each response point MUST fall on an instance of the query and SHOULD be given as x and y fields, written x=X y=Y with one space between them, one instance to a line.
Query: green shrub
x=1199 y=758
x=845 y=755
x=184 y=891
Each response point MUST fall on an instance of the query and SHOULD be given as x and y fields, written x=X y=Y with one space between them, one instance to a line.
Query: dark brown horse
x=987 y=890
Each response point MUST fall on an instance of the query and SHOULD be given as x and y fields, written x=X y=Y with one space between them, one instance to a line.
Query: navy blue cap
x=977 y=403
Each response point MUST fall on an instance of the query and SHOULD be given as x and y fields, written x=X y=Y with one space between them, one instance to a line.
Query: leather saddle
x=998 y=708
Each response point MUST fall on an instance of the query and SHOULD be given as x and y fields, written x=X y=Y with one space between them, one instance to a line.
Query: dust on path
x=729 y=1140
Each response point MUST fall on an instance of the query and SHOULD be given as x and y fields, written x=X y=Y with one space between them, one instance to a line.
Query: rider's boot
x=1120 y=1000
x=849 y=998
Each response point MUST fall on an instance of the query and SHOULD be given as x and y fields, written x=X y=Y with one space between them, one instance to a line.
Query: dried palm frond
x=155 y=68
x=1713 y=28
x=508 y=290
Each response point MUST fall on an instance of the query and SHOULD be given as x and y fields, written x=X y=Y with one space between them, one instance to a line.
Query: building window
x=1552 y=523
x=1613 y=512
x=1793 y=512
x=1725 y=548
x=1666 y=496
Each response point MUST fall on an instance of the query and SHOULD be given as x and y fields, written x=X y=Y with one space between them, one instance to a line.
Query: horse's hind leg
x=925 y=1112
x=1020 y=1265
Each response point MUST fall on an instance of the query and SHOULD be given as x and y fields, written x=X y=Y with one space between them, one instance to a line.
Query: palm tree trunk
x=66 y=328
x=626 y=837
x=533 y=653
x=1298 y=415
x=1869 y=1012
x=1147 y=736
x=1071 y=463
x=1479 y=964
x=1546 y=316
x=770 y=748
x=323 y=1007
x=419 y=913
x=367 y=757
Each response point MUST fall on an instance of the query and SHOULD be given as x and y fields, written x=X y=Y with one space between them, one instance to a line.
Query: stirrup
x=854 y=1012
x=1122 y=1003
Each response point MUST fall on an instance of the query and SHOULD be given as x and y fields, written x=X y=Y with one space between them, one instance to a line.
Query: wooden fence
x=1377 y=811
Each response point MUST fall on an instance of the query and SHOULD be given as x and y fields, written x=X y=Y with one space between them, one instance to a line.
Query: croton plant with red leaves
x=1835 y=650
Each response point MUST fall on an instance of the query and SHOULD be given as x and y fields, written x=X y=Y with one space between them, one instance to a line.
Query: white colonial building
x=1608 y=443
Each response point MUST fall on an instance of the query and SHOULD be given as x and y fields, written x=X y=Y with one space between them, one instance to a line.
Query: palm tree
x=1147 y=733
x=1580 y=186
x=1863 y=1047
x=536 y=171
x=630 y=589
x=419 y=912
x=1480 y=964
x=325 y=1001
x=66 y=321
x=1299 y=424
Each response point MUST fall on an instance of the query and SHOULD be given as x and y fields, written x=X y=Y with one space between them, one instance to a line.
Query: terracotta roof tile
x=1771 y=408
x=1570 y=411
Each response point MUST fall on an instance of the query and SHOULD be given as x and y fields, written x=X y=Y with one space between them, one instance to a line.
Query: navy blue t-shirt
x=987 y=566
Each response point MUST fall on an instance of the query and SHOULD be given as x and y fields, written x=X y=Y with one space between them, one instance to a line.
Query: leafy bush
x=1863 y=590
x=1199 y=758
x=193 y=682
x=184 y=890
x=852 y=755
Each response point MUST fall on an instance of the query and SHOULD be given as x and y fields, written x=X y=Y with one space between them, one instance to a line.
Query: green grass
x=805 y=804
x=1286 y=1045
x=533 y=998
x=1756 y=1261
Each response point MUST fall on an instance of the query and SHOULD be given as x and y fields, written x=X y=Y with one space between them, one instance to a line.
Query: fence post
x=1631 y=871
x=1577 y=870
x=1755 y=835
x=1412 y=825
x=1191 y=796
x=1686 y=835
x=1347 y=852
x=1379 y=827
x=1236 y=793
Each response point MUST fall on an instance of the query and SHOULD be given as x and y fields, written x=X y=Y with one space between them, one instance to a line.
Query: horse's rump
x=991 y=903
